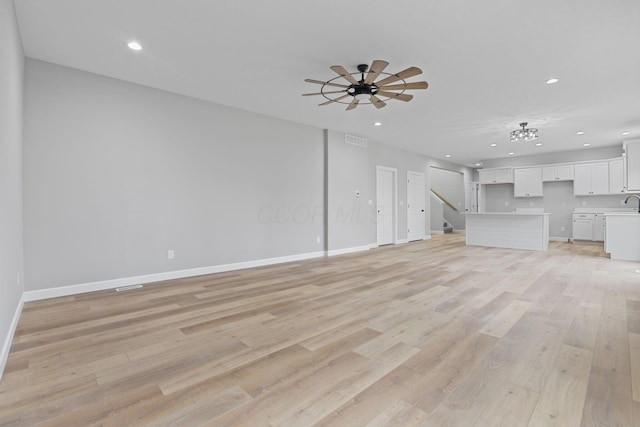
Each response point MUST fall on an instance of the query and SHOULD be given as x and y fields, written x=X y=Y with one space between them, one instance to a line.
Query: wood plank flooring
x=431 y=333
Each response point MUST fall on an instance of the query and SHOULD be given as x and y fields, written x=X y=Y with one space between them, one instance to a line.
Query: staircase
x=446 y=227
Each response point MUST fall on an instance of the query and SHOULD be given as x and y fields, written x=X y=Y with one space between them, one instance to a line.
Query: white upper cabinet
x=557 y=173
x=527 y=182
x=591 y=179
x=616 y=176
x=496 y=176
x=632 y=165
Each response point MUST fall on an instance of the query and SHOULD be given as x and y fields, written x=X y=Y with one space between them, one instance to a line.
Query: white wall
x=11 y=97
x=116 y=174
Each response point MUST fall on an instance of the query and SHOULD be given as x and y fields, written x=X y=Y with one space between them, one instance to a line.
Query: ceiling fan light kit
x=367 y=89
x=524 y=134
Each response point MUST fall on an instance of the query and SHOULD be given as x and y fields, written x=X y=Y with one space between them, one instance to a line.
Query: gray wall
x=558 y=196
x=116 y=174
x=351 y=221
x=11 y=97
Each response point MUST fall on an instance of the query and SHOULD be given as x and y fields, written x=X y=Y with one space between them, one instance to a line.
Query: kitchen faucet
x=637 y=197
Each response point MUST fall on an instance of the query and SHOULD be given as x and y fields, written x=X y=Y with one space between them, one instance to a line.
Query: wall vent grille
x=355 y=140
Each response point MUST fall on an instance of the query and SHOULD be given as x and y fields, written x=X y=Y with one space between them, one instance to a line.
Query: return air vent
x=128 y=288
x=355 y=140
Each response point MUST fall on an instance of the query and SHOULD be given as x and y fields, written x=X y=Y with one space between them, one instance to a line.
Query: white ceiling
x=486 y=63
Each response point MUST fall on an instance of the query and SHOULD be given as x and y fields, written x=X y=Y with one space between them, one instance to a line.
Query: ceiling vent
x=355 y=140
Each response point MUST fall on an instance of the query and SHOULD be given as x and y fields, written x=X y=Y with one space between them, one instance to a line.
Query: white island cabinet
x=621 y=235
x=513 y=230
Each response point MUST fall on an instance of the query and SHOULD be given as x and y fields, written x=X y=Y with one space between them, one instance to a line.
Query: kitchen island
x=621 y=241
x=512 y=230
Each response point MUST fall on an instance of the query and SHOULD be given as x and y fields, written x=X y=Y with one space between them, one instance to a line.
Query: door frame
x=424 y=204
x=394 y=209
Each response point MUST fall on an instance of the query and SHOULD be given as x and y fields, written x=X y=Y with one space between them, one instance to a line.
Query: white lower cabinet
x=598 y=227
x=588 y=226
x=582 y=227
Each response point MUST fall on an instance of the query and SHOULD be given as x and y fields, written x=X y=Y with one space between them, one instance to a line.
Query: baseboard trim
x=158 y=277
x=6 y=345
x=559 y=239
x=427 y=237
x=343 y=251
x=402 y=241
x=437 y=232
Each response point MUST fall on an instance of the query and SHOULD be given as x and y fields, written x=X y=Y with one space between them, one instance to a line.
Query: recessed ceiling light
x=552 y=81
x=478 y=164
x=586 y=144
x=511 y=153
x=580 y=132
x=377 y=124
x=134 y=45
x=447 y=155
x=626 y=133
x=539 y=144
x=493 y=145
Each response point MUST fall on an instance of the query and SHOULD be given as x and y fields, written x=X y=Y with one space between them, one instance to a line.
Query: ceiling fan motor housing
x=362 y=89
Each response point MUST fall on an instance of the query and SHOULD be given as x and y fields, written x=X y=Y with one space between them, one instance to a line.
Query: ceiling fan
x=367 y=88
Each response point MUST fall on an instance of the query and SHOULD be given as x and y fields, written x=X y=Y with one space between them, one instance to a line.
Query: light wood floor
x=431 y=333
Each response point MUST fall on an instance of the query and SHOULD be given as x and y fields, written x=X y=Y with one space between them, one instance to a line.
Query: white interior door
x=384 y=200
x=415 y=206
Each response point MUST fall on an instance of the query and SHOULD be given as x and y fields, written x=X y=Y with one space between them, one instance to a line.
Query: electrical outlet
x=561 y=228
x=317 y=239
x=18 y=278
x=506 y=203
x=171 y=254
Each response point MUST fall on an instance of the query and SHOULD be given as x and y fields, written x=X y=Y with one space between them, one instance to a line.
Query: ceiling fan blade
x=335 y=100
x=376 y=68
x=415 y=85
x=405 y=74
x=353 y=104
x=377 y=102
x=320 y=82
x=323 y=93
x=342 y=72
x=401 y=96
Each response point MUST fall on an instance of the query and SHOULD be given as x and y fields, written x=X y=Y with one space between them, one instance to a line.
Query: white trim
x=373 y=245
x=436 y=232
x=6 y=345
x=402 y=241
x=157 y=277
x=348 y=250
x=428 y=237
x=560 y=239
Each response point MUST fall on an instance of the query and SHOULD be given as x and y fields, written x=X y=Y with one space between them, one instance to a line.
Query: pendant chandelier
x=524 y=134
